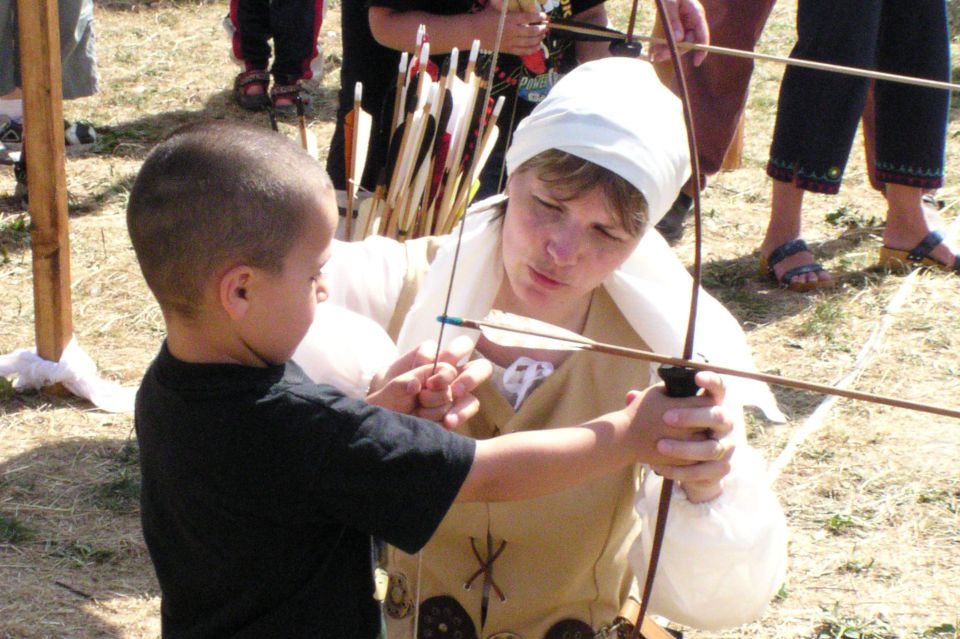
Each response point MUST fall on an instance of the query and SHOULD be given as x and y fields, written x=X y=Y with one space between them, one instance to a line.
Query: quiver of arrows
x=441 y=133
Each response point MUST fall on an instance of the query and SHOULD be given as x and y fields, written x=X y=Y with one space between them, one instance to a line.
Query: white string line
x=816 y=420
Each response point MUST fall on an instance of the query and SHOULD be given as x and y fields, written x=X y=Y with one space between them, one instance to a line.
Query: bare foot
x=813 y=279
x=253 y=89
x=784 y=228
x=908 y=225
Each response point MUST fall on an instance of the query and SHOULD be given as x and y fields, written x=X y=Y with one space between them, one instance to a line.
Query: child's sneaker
x=77 y=136
x=11 y=133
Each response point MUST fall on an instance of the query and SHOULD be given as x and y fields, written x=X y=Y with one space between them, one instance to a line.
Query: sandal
x=252 y=101
x=284 y=97
x=901 y=260
x=786 y=280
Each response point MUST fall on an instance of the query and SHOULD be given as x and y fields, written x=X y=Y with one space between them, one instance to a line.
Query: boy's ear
x=232 y=291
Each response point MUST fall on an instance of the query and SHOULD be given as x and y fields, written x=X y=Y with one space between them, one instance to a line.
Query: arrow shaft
x=622 y=351
x=752 y=55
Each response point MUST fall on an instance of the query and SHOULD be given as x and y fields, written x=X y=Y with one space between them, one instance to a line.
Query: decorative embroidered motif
x=910 y=175
x=524 y=375
x=828 y=182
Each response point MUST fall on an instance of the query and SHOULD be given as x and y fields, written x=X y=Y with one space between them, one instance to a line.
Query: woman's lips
x=544 y=280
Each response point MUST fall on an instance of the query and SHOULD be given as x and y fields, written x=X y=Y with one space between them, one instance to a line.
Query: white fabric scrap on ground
x=75 y=370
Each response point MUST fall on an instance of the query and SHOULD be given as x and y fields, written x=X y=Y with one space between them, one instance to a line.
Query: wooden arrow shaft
x=778 y=380
x=740 y=53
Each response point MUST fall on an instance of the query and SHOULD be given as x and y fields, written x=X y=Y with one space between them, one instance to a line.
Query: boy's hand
x=700 y=460
x=411 y=385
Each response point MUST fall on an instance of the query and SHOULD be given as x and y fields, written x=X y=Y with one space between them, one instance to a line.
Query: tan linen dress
x=563 y=556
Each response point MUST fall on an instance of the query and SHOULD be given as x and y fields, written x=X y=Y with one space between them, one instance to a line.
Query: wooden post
x=38 y=24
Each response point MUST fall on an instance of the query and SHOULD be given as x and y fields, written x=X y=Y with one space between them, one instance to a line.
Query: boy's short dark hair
x=214 y=193
x=572 y=176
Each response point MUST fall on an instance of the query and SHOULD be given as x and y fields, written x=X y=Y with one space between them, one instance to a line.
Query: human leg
x=79 y=76
x=911 y=123
x=817 y=117
x=78 y=62
x=250 y=20
x=295 y=25
x=818 y=112
x=783 y=254
x=9 y=48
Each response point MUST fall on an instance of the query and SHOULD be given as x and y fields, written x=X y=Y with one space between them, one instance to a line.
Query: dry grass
x=873 y=498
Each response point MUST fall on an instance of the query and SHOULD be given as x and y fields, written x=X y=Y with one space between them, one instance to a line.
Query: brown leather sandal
x=902 y=261
x=767 y=262
x=252 y=101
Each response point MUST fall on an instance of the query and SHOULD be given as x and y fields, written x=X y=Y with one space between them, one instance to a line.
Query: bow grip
x=625 y=49
x=679 y=380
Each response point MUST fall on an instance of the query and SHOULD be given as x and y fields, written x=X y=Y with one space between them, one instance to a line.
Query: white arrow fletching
x=514 y=331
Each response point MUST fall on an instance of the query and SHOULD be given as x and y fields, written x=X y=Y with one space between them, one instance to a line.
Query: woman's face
x=555 y=251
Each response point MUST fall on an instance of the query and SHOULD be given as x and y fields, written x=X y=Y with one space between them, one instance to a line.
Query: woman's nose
x=563 y=246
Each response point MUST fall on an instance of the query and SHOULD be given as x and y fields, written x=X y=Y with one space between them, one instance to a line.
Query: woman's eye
x=606 y=233
x=544 y=205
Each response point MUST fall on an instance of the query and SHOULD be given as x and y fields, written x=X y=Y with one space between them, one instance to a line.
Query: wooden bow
x=666 y=491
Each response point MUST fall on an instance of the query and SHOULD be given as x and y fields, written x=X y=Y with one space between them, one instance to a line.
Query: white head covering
x=616 y=113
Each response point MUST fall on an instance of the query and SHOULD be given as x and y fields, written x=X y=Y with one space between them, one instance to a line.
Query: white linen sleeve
x=345 y=350
x=367 y=277
x=722 y=561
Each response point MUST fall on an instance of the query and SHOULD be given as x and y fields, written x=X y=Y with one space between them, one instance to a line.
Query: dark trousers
x=818 y=111
x=294 y=26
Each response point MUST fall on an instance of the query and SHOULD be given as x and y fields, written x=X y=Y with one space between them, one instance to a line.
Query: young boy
x=261 y=490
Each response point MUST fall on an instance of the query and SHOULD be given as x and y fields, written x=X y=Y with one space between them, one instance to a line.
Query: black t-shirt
x=261 y=491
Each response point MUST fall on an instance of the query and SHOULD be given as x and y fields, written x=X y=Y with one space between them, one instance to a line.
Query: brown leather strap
x=650 y=628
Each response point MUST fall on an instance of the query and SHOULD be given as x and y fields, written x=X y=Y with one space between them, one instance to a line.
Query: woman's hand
x=702 y=463
x=689 y=23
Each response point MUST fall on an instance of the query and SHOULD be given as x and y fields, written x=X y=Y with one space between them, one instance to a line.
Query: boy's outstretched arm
x=535 y=463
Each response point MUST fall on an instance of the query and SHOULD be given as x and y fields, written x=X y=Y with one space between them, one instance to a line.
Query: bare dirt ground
x=873 y=497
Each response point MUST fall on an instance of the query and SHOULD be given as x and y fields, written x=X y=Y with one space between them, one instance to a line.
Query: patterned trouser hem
x=806 y=182
x=907 y=179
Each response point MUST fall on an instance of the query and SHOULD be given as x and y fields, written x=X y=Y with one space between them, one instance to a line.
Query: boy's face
x=285 y=303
